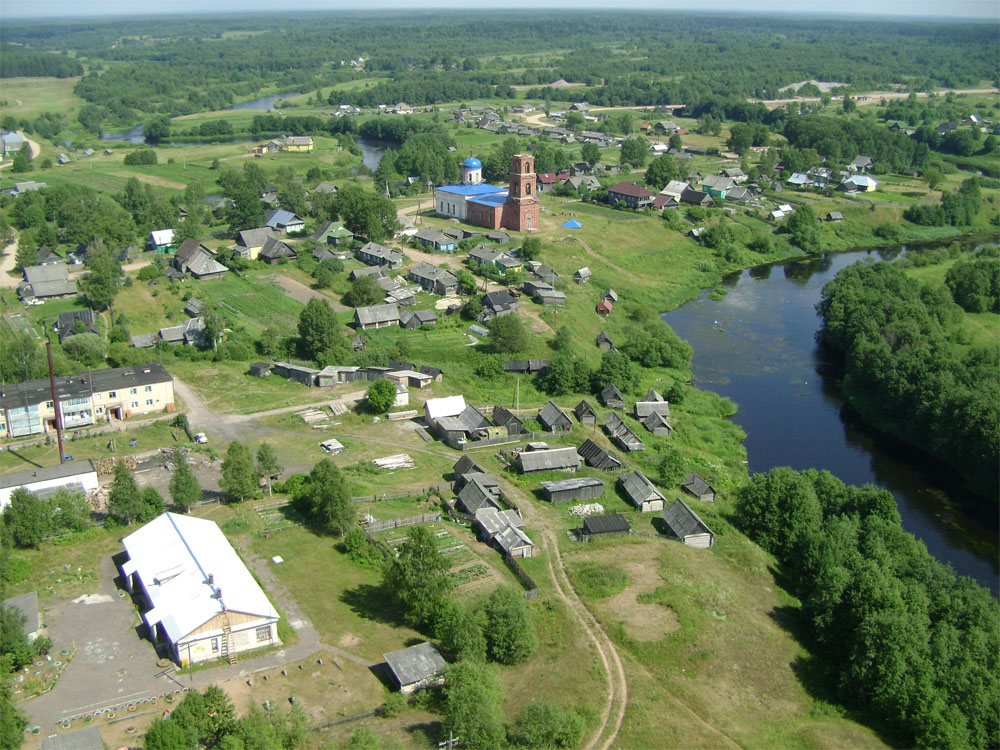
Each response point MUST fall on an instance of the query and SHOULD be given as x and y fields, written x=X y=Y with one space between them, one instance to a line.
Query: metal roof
x=175 y=557
x=554 y=458
x=416 y=663
x=575 y=483
x=449 y=406
x=70 y=386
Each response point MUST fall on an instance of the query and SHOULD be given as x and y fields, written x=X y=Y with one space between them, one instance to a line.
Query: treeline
x=900 y=636
x=18 y=62
x=841 y=139
x=903 y=374
x=421 y=88
x=957 y=209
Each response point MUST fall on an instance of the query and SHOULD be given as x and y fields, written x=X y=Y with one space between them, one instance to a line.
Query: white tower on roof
x=472 y=171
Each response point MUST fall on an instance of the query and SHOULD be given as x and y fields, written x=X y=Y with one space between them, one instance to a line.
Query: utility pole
x=450 y=743
x=55 y=402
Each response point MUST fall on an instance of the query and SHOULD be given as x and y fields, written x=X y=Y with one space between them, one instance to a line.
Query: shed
x=604 y=307
x=644 y=408
x=478 y=491
x=639 y=491
x=612 y=523
x=27 y=605
x=303 y=375
x=260 y=369
x=554 y=419
x=585 y=413
x=698 y=487
x=492 y=521
x=88 y=738
x=612 y=397
x=604 y=341
x=684 y=525
x=332 y=446
x=448 y=406
x=416 y=667
x=598 y=458
x=76 y=476
x=466 y=465
x=504 y=417
x=578 y=488
x=514 y=543
x=622 y=435
x=582 y=276
x=553 y=459
x=657 y=424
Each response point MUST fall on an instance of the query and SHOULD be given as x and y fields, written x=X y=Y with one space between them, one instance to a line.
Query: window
x=148 y=389
x=149 y=402
x=113 y=394
x=97 y=397
x=263 y=633
x=215 y=645
x=135 y=404
x=100 y=409
x=48 y=404
x=132 y=391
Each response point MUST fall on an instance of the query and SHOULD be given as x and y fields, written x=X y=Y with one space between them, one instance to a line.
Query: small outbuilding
x=260 y=369
x=553 y=459
x=622 y=435
x=684 y=525
x=698 y=487
x=578 y=488
x=639 y=491
x=657 y=424
x=612 y=397
x=585 y=412
x=416 y=667
x=513 y=542
x=604 y=341
x=554 y=419
x=612 y=523
x=598 y=458
x=75 y=476
x=504 y=417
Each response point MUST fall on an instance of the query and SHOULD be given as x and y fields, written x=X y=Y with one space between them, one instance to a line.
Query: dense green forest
x=904 y=373
x=894 y=632
x=428 y=58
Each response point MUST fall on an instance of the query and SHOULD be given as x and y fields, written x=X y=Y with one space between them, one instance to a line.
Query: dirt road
x=301 y=293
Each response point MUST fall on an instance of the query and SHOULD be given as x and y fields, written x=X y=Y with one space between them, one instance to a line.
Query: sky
x=982 y=9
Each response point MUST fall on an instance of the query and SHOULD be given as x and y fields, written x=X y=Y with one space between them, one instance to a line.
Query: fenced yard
x=466 y=568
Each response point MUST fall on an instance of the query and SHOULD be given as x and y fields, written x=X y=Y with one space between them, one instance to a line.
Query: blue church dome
x=472 y=163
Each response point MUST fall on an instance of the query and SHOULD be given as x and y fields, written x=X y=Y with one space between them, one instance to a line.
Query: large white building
x=451 y=200
x=201 y=603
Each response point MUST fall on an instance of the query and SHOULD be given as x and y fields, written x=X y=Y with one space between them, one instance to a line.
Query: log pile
x=399 y=461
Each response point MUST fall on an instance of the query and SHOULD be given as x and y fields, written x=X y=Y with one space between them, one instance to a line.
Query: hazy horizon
x=972 y=10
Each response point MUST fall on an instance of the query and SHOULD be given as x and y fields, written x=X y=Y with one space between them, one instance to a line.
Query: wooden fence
x=469 y=445
x=438 y=488
x=395 y=523
x=530 y=589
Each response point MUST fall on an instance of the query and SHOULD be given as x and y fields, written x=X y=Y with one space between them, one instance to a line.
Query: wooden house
x=621 y=434
x=491 y=522
x=504 y=417
x=698 y=487
x=585 y=413
x=554 y=419
x=657 y=424
x=644 y=408
x=598 y=458
x=275 y=251
x=612 y=523
x=639 y=491
x=553 y=459
x=612 y=397
x=513 y=542
x=416 y=667
x=684 y=525
x=578 y=488
x=376 y=316
x=466 y=465
x=478 y=491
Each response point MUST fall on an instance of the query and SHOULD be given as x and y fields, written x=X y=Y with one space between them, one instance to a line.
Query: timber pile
x=398 y=415
x=339 y=408
x=587 y=509
x=105 y=467
x=311 y=416
x=399 y=461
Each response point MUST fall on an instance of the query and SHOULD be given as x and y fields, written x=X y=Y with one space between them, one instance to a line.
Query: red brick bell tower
x=520 y=211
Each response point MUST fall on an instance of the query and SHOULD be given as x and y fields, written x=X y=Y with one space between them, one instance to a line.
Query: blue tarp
x=573 y=224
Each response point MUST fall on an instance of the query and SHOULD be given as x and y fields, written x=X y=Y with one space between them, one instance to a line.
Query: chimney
x=211 y=579
x=218 y=594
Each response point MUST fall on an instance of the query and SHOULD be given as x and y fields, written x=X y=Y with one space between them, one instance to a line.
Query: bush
x=140 y=157
x=147 y=273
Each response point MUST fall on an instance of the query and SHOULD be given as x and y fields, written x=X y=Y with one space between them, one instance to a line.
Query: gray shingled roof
x=682 y=521
x=554 y=458
x=608 y=524
x=551 y=414
x=638 y=489
x=416 y=663
x=377 y=314
x=575 y=483
x=466 y=465
x=696 y=485
x=645 y=408
x=597 y=457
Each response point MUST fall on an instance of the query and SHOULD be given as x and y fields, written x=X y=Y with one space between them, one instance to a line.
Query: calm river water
x=757 y=346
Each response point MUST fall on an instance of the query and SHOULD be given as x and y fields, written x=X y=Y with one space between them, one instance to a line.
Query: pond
x=372 y=150
x=757 y=347
x=265 y=103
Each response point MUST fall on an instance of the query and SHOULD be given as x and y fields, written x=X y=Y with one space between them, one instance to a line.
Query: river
x=757 y=347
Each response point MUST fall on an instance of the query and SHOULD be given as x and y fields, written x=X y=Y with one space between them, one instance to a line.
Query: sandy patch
x=644 y=622
x=348 y=640
x=445 y=302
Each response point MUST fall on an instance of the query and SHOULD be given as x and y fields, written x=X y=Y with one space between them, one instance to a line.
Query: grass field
x=29 y=97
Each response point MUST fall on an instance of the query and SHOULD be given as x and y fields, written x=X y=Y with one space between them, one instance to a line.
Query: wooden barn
x=621 y=434
x=554 y=419
x=644 y=408
x=698 y=487
x=639 y=491
x=612 y=397
x=585 y=412
x=684 y=525
x=657 y=424
x=604 y=341
x=612 y=523
x=598 y=458
x=554 y=459
x=416 y=667
x=578 y=488
x=303 y=375
x=465 y=465
x=504 y=417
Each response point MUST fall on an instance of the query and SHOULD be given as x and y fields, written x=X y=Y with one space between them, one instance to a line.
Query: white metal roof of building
x=174 y=556
x=449 y=406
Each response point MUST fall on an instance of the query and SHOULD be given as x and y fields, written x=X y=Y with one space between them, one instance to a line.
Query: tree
x=157 y=129
x=416 y=578
x=101 y=285
x=13 y=722
x=660 y=171
x=267 y=464
x=363 y=738
x=22 y=359
x=380 y=396
x=801 y=225
x=676 y=143
x=87 y=348
x=325 y=497
x=238 y=480
x=566 y=374
x=615 y=369
x=460 y=628
x=22 y=160
x=543 y=725
x=365 y=291
x=634 y=152
x=368 y=215
x=670 y=468
x=531 y=248
x=319 y=331
x=124 y=498
x=15 y=648
x=590 y=153
x=510 y=634
x=472 y=308
x=152 y=504
x=508 y=335
x=25 y=517
x=472 y=706
x=184 y=488
x=27 y=250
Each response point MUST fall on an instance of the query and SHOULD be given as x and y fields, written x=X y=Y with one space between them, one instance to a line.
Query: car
x=201 y=438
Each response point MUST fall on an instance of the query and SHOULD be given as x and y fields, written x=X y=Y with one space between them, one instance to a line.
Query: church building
x=489 y=206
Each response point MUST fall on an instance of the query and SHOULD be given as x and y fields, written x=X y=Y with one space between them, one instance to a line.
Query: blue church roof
x=472 y=163
x=470 y=190
x=493 y=199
